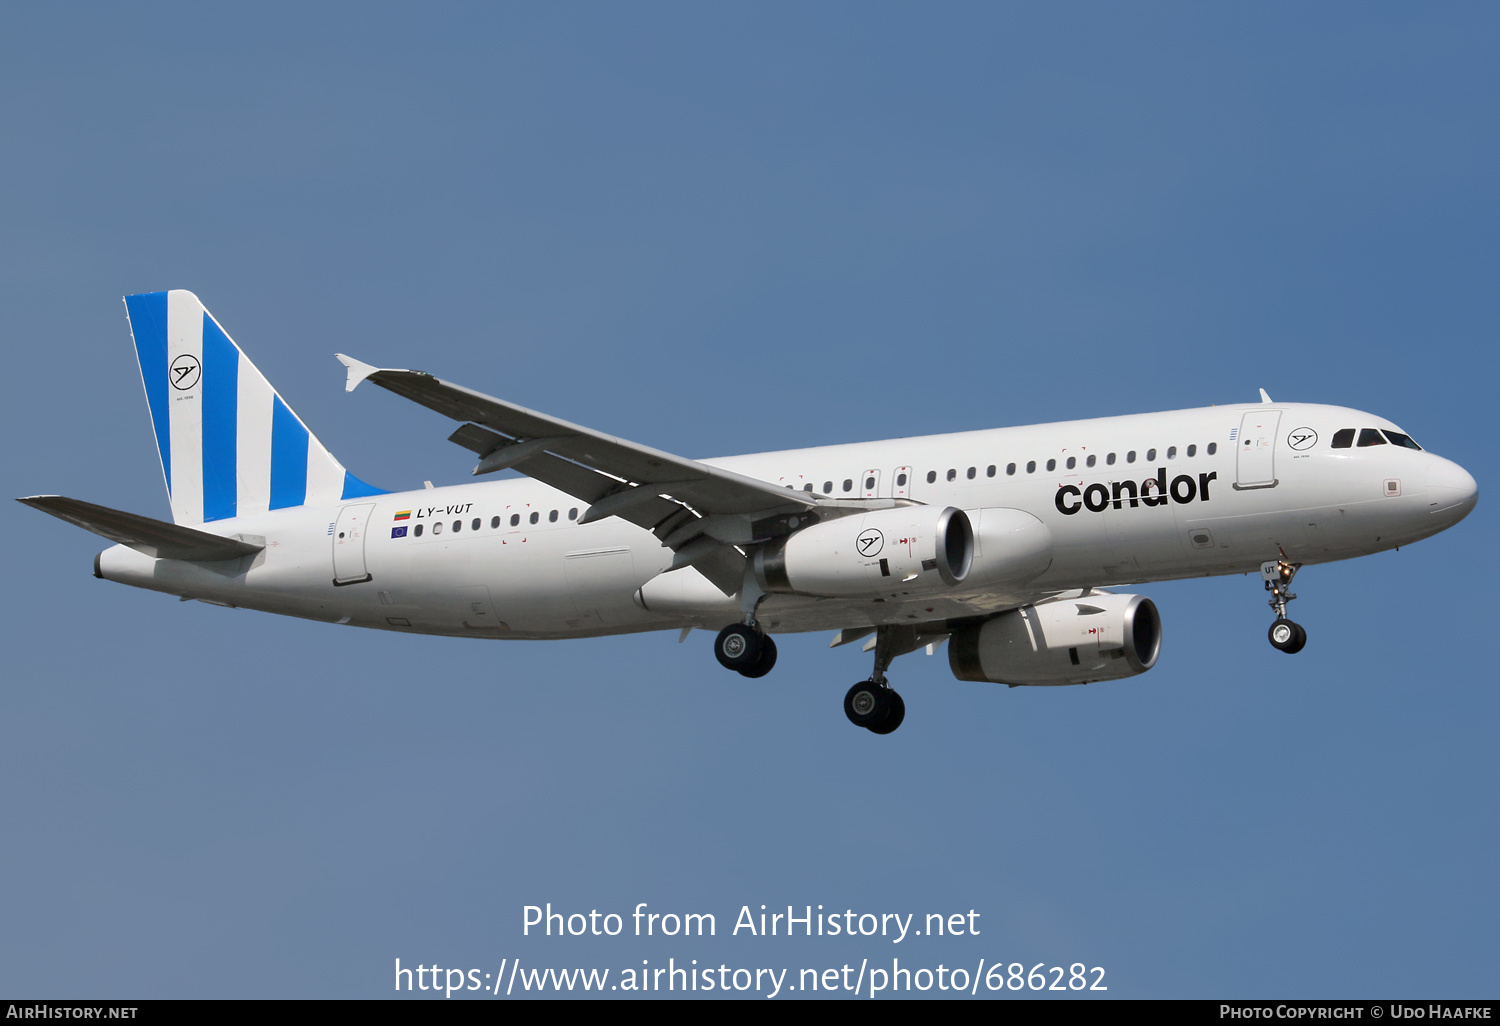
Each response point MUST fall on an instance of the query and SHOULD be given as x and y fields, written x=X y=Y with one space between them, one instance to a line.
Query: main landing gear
x=746 y=650
x=874 y=704
x=1286 y=636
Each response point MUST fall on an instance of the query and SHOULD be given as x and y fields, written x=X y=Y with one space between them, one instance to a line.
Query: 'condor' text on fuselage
x=1153 y=491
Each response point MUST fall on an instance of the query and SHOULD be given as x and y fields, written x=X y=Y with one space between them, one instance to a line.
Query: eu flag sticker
x=398 y=532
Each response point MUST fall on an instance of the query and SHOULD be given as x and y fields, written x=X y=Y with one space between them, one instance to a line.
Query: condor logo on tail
x=1153 y=491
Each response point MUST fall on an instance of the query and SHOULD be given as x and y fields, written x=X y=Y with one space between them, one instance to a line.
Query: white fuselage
x=507 y=559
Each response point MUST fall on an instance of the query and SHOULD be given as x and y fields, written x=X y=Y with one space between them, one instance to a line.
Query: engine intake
x=1096 y=637
x=909 y=550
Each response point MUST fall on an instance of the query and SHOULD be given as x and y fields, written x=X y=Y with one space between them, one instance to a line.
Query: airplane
x=1005 y=544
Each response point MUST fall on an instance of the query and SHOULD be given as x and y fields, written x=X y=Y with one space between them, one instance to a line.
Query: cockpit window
x=1343 y=439
x=1405 y=441
x=1369 y=436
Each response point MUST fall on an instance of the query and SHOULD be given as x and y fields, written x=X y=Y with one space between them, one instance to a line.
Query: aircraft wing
x=646 y=486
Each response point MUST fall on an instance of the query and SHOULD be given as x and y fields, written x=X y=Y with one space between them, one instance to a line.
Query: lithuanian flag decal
x=405 y=514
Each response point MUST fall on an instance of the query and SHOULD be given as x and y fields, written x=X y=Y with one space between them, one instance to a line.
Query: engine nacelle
x=1066 y=641
x=1012 y=547
x=908 y=550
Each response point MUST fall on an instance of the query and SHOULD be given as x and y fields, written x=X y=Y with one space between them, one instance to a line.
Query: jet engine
x=909 y=550
x=1098 y=636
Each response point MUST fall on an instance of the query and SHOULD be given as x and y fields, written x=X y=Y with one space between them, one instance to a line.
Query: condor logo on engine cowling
x=1153 y=491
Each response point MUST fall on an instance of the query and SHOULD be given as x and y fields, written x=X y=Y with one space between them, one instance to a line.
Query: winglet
x=1263 y=397
x=359 y=370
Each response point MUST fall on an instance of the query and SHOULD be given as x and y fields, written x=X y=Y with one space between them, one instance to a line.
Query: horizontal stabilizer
x=155 y=538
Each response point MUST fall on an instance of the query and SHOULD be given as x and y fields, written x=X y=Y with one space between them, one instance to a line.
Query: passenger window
x=494 y=522
x=515 y=519
x=1150 y=455
x=1110 y=459
x=552 y=517
x=869 y=483
x=1192 y=450
x=535 y=517
x=828 y=485
x=901 y=480
x=1091 y=460
x=458 y=525
x=1031 y=466
x=573 y=513
x=952 y=474
x=437 y=528
x=475 y=525
x=1171 y=452
x=1072 y=462
x=1369 y=436
x=849 y=482
x=1051 y=465
x=1010 y=469
x=931 y=477
x=416 y=532
x=807 y=487
x=989 y=471
x=1213 y=447
x=971 y=473
x=1343 y=438
x=1405 y=441
x=1130 y=456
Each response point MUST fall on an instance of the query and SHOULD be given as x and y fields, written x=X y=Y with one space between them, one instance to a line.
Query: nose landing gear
x=1285 y=635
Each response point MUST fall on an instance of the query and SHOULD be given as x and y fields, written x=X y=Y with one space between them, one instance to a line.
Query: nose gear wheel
x=1287 y=636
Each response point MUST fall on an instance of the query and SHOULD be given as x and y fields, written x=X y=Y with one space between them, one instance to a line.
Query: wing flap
x=155 y=538
x=724 y=565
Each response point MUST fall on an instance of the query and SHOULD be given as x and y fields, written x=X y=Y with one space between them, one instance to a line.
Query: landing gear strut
x=1286 y=636
x=874 y=704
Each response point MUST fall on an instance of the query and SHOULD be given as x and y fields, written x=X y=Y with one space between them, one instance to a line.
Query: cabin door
x=1255 y=450
x=349 y=544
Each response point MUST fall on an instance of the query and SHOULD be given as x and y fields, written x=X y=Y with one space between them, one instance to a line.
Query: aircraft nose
x=1451 y=490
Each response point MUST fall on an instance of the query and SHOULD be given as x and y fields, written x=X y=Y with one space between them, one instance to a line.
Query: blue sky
x=720 y=229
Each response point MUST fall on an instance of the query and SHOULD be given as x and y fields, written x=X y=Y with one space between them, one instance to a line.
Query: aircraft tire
x=738 y=647
x=766 y=661
x=1301 y=642
x=1286 y=636
x=893 y=717
x=866 y=703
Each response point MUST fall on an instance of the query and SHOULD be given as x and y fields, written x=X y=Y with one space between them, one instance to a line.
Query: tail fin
x=229 y=445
